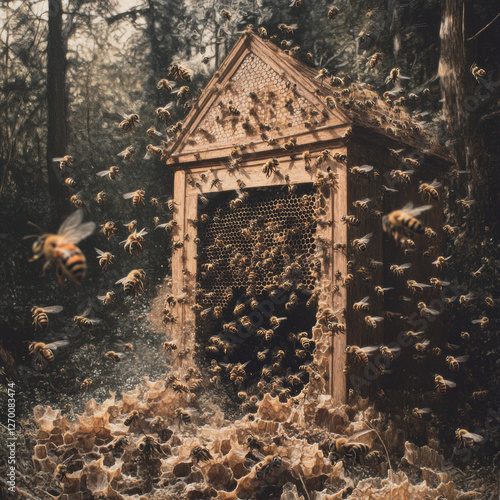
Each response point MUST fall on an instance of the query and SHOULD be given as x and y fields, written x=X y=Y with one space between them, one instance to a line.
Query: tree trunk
x=468 y=104
x=56 y=105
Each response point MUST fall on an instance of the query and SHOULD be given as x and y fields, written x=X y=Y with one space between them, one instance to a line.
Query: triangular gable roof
x=289 y=103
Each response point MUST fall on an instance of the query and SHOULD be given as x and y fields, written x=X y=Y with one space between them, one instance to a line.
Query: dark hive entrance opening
x=256 y=298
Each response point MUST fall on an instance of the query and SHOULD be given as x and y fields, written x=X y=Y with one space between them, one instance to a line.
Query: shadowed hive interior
x=257 y=273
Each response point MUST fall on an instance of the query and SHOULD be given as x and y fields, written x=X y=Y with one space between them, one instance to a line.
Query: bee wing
x=388 y=288
x=424 y=410
x=408 y=172
x=389 y=190
x=475 y=437
x=56 y=345
x=142 y=232
x=161 y=226
x=435 y=184
x=426 y=342
x=378 y=319
x=100 y=253
x=395 y=349
x=364 y=300
x=53 y=309
x=405 y=266
x=73 y=231
x=423 y=285
x=101 y=297
x=414 y=212
x=367 y=238
x=431 y=311
x=127 y=196
x=369 y=349
x=359 y=434
x=449 y=383
x=122 y=280
x=366 y=168
x=102 y=173
x=462 y=359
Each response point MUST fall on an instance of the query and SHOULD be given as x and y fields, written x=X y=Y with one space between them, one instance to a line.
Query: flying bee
x=182 y=95
x=429 y=191
x=399 y=270
x=153 y=151
x=467 y=439
x=163 y=113
x=371 y=321
x=381 y=291
x=179 y=72
x=61 y=248
x=441 y=262
x=363 y=171
x=138 y=197
x=441 y=384
x=430 y=233
x=360 y=354
x=450 y=231
x=404 y=219
x=374 y=59
x=362 y=305
x=465 y=299
x=169 y=346
x=108 y=299
x=270 y=167
x=287 y=29
x=171 y=204
x=454 y=363
x=76 y=201
x=129 y=122
x=127 y=153
x=133 y=283
x=64 y=163
x=420 y=412
x=482 y=322
x=42 y=354
x=401 y=176
x=70 y=182
x=465 y=205
x=114 y=357
x=105 y=258
x=388 y=352
x=131 y=226
x=165 y=86
x=112 y=173
x=362 y=204
x=40 y=316
x=108 y=229
x=360 y=244
x=427 y=312
x=477 y=72
x=134 y=242
x=101 y=198
x=350 y=221
x=415 y=287
x=83 y=322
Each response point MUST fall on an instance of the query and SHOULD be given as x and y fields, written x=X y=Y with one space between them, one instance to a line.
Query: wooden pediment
x=258 y=98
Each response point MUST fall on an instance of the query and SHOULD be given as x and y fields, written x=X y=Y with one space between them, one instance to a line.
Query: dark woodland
x=73 y=73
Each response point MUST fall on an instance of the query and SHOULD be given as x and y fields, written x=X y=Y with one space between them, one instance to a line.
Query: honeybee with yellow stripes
x=138 y=197
x=163 y=113
x=42 y=354
x=388 y=352
x=441 y=384
x=441 y=262
x=364 y=171
x=133 y=283
x=406 y=218
x=270 y=167
x=362 y=204
x=64 y=163
x=40 y=315
x=128 y=153
x=112 y=173
x=83 y=322
x=129 y=122
x=61 y=248
x=381 y=291
x=108 y=299
x=454 y=363
x=374 y=59
x=360 y=243
x=105 y=258
x=360 y=354
x=401 y=176
x=346 y=447
x=179 y=72
x=467 y=439
x=429 y=191
x=362 y=305
x=165 y=86
x=399 y=270
x=438 y=284
x=350 y=221
x=134 y=242
x=425 y=311
x=415 y=287
x=372 y=321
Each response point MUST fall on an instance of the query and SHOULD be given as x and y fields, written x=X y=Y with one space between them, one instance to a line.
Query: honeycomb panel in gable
x=274 y=108
x=269 y=240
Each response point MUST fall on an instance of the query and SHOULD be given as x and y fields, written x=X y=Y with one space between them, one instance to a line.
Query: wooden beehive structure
x=257 y=101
